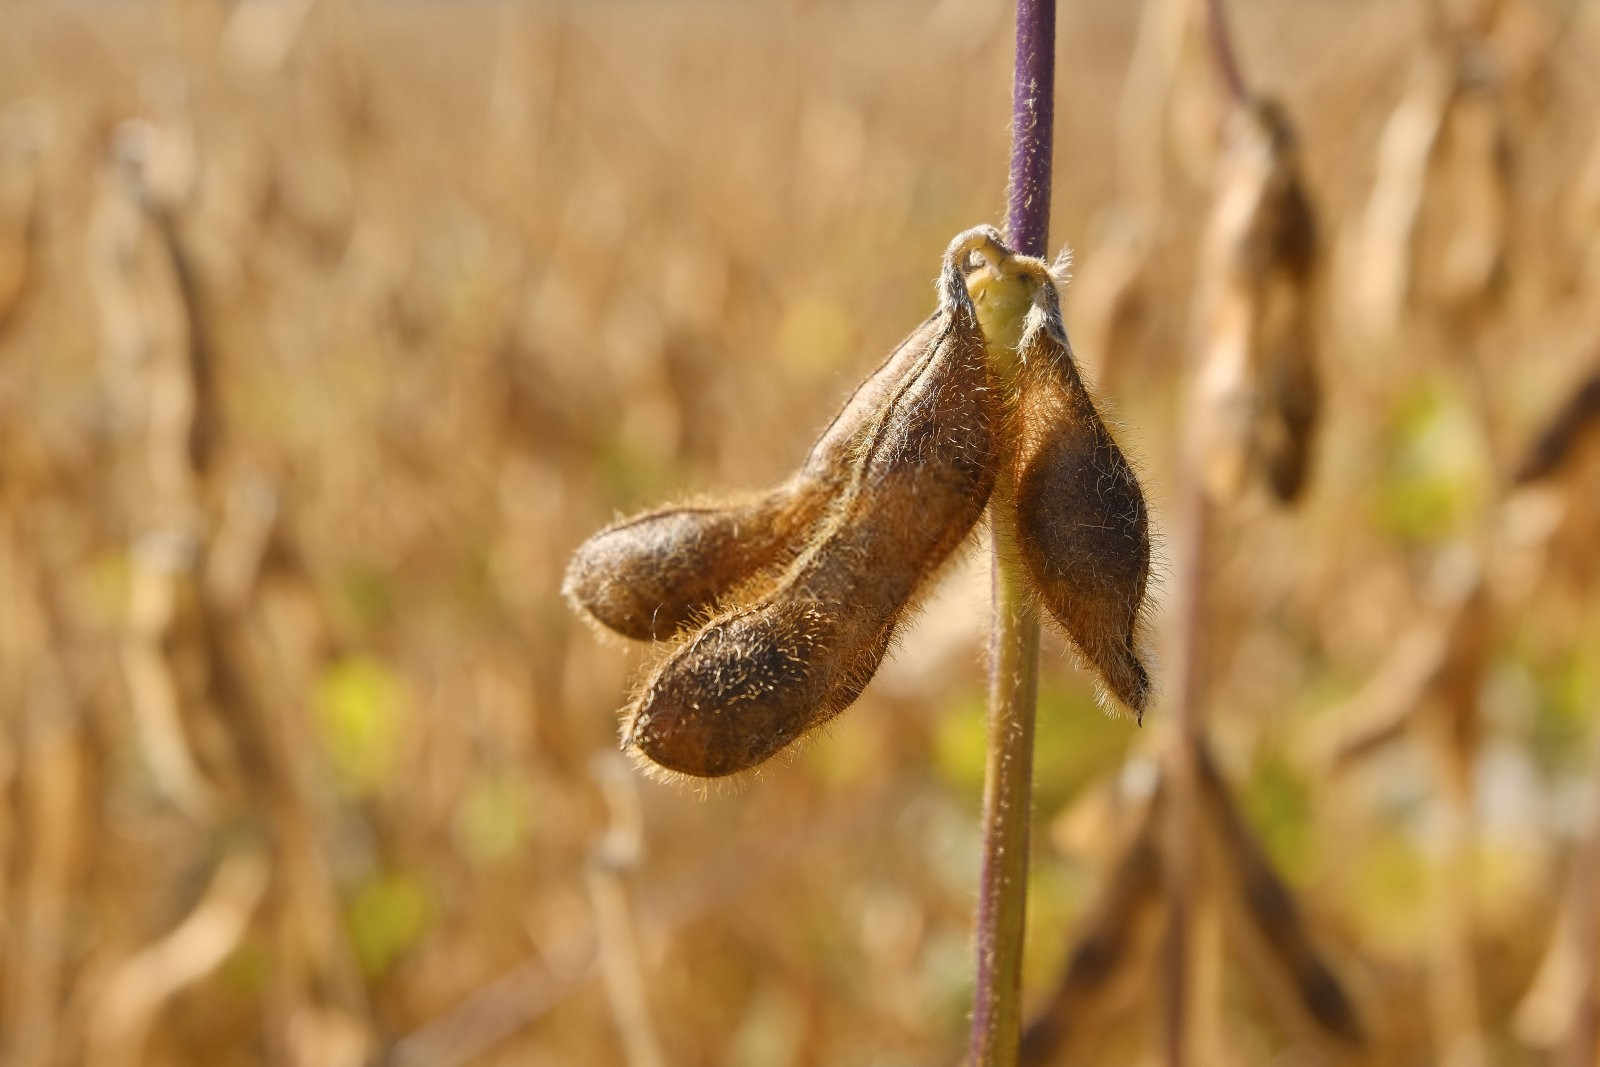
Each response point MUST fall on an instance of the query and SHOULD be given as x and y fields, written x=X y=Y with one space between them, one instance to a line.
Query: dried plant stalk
x=148 y=333
x=1379 y=271
x=1115 y=933
x=1560 y=1012
x=1582 y=1046
x=145 y=982
x=1273 y=917
x=1576 y=419
x=159 y=376
x=1464 y=225
x=618 y=949
x=1437 y=221
x=51 y=810
x=21 y=134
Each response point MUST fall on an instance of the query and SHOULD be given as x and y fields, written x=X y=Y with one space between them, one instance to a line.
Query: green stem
x=1008 y=779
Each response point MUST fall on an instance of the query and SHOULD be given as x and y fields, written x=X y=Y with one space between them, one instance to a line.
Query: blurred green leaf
x=959 y=744
x=1277 y=801
x=1074 y=740
x=1056 y=893
x=1434 y=474
x=491 y=821
x=1390 y=889
x=635 y=478
x=1569 y=691
x=360 y=710
x=247 y=966
x=367 y=596
x=386 y=917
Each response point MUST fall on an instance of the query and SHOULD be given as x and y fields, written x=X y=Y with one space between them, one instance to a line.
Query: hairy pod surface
x=649 y=576
x=1083 y=529
x=1258 y=390
x=738 y=689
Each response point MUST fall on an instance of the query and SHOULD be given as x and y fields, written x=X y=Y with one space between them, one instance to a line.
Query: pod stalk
x=1014 y=651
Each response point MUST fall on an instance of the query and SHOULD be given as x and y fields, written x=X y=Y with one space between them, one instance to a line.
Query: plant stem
x=1014 y=634
x=1184 y=890
x=1032 y=124
x=1002 y=892
x=1222 y=49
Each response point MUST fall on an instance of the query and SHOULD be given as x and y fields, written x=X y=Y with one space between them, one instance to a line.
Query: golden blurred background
x=328 y=330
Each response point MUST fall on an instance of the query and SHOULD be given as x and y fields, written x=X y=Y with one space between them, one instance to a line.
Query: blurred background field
x=328 y=330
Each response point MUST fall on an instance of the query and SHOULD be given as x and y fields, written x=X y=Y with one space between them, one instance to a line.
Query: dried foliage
x=330 y=333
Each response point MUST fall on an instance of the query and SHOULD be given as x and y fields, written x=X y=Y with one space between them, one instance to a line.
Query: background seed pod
x=1082 y=525
x=756 y=677
x=649 y=576
x=1258 y=388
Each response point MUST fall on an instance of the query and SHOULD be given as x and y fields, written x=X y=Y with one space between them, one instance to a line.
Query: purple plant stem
x=1014 y=656
x=1033 y=112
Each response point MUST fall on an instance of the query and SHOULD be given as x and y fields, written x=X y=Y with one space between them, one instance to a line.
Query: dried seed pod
x=1575 y=419
x=754 y=678
x=649 y=576
x=1258 y=390
x=1082 y=527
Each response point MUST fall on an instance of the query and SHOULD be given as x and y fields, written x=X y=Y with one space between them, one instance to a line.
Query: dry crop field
x=328 y=331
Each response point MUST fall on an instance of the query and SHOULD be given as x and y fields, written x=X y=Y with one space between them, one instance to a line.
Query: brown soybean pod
x=651 y=575
x=1082 y=526
x=754 y=678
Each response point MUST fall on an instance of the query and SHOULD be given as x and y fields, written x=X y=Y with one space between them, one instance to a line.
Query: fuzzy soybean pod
x=649 y=576
x=1082 y=527
x=734 y=692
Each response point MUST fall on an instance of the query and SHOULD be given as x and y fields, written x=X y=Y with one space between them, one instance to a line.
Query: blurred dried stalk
x=193 y=589
x=618 y=851
x=1252 y=402
x=1583 y=1038
x=260 y=34
x=1433 y=665
x=1436 y=224
x=52 y=812
x=1432 y=679
x=523 y=995
x=152 y=390
x=1583 y=215
x=1560 y=1012
x=1577 y=418
x=1269 y=924
x=142 y=984
x=23 y=129
x=1112 y=946
x=1250 y=910
x=1431 y=682
x=1164 y=105
x=1561 y=1008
